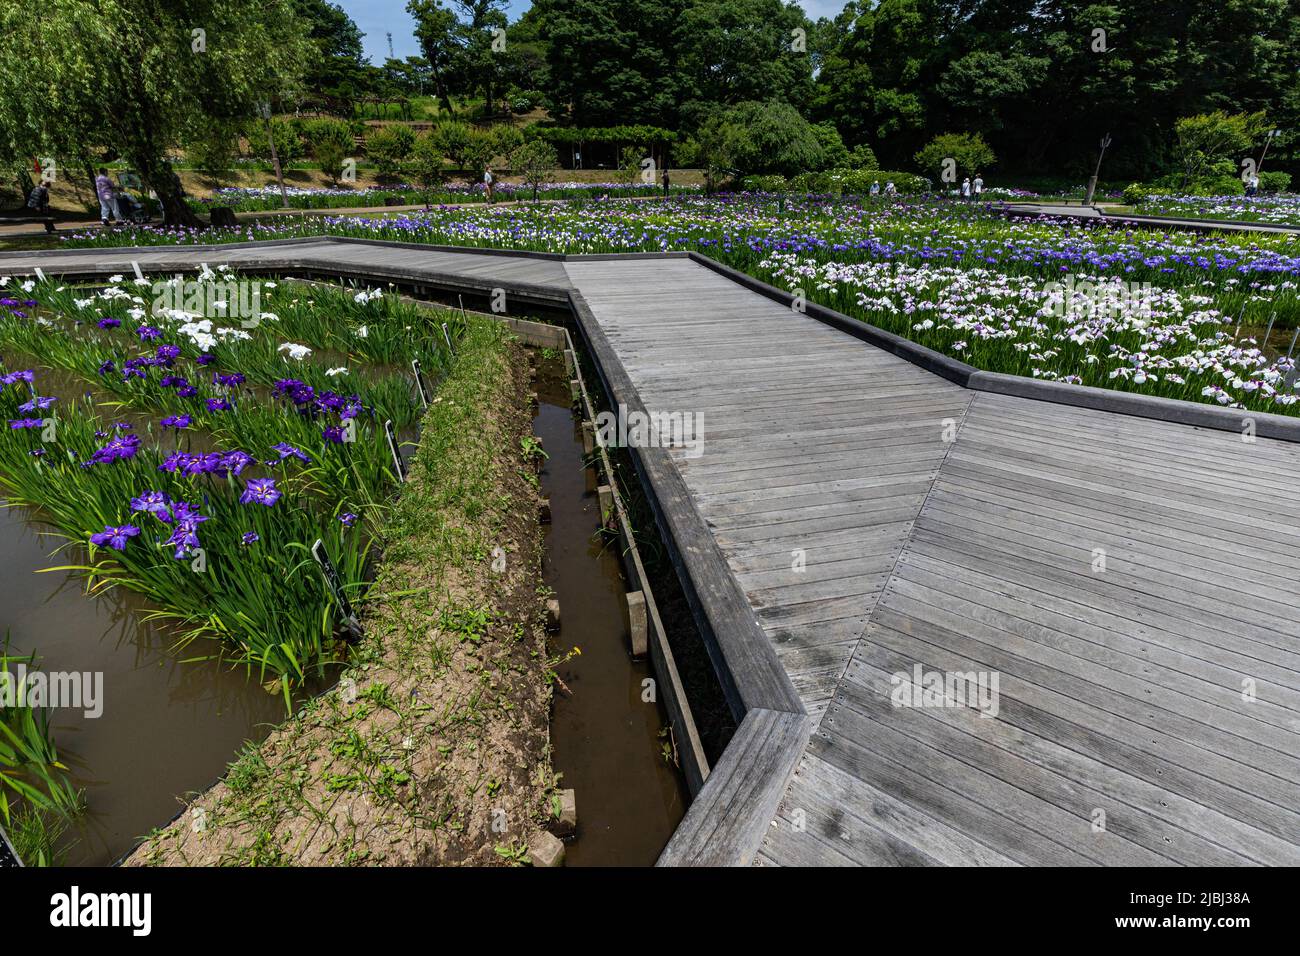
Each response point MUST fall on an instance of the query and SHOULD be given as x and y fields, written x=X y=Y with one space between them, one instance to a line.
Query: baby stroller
x=131 y=209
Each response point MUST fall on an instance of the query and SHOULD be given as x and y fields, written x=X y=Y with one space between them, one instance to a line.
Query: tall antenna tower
x=390 y=46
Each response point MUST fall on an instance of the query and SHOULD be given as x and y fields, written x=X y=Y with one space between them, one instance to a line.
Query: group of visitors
x=972 y=190
x=890 y=188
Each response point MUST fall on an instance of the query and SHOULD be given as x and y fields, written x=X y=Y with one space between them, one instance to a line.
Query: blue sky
x=379 y=17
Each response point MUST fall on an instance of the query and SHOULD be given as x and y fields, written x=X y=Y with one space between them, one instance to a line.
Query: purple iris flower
x=167 y=354
x=26 y=375
x=17 y=423
x=148 y=333
x=289 y=451
x=119 y=448
x=231 y=380
x=334 y=433
x=109 y=323
x=236 y=461
x=207 y=358
x=132 y=370
x=260 y=491
x=348 y=519
x=187 y=391
x=218 y=405
x=174 y=381
x=115 y=537
x=37 y=404
x=177 y=421
x=107 y=367
x=185 y=535
x=251 y=537
x=154 y=503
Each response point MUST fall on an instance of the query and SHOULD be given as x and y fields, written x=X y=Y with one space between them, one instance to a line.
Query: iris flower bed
x=1208 y=285
x=1282 y=210
x=1166 y=342
x=195 y=460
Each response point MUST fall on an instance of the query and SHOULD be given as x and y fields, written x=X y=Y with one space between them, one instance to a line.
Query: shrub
x=288 y=143
x=426 y=160
x=388 y=148
x=1135 y=194
x=968 y=150
x=1274 y=182
x=331 y=143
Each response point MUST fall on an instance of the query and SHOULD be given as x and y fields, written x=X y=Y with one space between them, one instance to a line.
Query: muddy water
x=167 y=727
x=606 y=741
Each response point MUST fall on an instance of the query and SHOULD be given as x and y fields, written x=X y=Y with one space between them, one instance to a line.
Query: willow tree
x=137 y=78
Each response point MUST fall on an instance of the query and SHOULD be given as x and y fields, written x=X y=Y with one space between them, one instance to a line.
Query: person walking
x=667 y=182
x=965 y=189
x=107 y=194
x=487 y=182
x=978 y=186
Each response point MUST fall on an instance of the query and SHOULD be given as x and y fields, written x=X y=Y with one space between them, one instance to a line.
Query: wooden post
x=570 y=364
x=575 y=390
x=636 y=618
x=588 y=438
x=606 y=496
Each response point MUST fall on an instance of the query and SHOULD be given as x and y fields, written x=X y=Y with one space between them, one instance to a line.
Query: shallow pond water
x=606 y=740
x=169 y=725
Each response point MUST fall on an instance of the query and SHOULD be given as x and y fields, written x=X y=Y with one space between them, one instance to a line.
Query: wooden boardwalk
x=1131 y=584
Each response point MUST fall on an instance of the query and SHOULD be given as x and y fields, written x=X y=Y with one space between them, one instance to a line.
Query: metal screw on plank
x=351 y=626
x=392 y=447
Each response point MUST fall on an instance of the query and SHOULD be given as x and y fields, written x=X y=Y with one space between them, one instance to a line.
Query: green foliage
x=760 y=138
x=571 y=135
x=534 y=161
x=453 y=138
x=1135 y=194
x=969 y=150
x=388 y=147
x=1209 y=138
x=289 y=146
x=214 y=150
x=331 y=143
x=1274 y=181
x=133 y=76
x=426 y=161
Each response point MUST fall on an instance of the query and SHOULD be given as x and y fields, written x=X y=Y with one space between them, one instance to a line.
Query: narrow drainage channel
x=608 y=743
x=167 y=726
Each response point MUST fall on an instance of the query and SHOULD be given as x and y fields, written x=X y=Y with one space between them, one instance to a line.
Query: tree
x=388 y=148
x=1209 y=138
x=612 y=62
x=426 y=162
x=134 y=76
x=968 y=151
x=435 y=29
x=331 y=143
x=452 y=140
x=535 y=161
x=761 y=138
x=733 y=51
